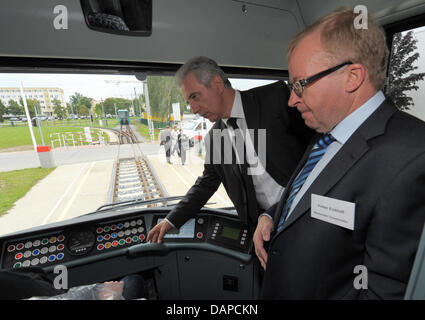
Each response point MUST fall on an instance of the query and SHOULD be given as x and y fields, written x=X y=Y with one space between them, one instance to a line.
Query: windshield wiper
x=137 y=201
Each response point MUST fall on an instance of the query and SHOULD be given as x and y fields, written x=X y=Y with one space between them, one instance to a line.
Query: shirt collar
x=343 y=130
x=237 y=109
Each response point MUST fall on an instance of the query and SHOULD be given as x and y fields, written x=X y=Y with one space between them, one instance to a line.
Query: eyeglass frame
x=304 y=82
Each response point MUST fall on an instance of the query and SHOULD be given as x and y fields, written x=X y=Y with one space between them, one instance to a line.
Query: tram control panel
x=94 y=238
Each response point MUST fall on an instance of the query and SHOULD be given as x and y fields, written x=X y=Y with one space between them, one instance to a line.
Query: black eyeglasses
x=299 y=86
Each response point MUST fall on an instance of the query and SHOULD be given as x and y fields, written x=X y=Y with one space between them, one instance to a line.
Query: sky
x=96 y=86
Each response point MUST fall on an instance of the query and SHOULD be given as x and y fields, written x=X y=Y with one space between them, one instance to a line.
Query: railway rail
x=134 y=178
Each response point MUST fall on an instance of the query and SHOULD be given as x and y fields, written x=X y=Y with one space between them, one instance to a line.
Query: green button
x=17 y=265
x=135 y=238
x=45 y=241
x=122 y=242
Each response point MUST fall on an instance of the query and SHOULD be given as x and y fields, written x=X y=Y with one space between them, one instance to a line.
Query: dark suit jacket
x=287 y=136
x=381 y=168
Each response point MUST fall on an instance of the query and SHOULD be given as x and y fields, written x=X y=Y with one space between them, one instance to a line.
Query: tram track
x=133 y=177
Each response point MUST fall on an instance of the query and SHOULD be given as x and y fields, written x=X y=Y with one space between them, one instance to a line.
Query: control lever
x=147 y=248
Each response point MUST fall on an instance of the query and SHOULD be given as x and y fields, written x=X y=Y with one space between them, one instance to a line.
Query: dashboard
x=209 y=256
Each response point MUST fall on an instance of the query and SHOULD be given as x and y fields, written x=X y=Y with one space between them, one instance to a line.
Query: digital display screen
x=186 y=231
x=230 y=233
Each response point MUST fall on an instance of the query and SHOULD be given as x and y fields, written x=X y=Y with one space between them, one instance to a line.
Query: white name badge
x=333 y=211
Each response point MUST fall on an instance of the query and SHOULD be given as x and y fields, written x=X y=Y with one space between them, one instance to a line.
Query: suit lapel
x=342 y=162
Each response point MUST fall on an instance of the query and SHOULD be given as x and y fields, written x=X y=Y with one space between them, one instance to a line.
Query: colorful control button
x=52 y=239
x=19 y=246
x=199 y=235
x=113 y=227
x=18 y=256
x=17 y=265
x=107 y=245
x=107 y=236
x=142 y=237
x=44 y=241
x=135 y=238
x=61 y=238
x=99 y=239
x=60 y=247
x=35 y=252
x=115 y=243
x=52 y=258
x=122 y=242
x=114 y=235
x=99 y=230
x=106 y=229
x=120 y=226
x=100 y=247
x=60 y=256
x=128 y=240
x=11 y=248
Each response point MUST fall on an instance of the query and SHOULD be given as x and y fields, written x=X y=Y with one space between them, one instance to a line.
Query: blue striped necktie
x=316 y=154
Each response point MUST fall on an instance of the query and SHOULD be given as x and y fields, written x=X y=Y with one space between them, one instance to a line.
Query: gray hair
x=204 y=70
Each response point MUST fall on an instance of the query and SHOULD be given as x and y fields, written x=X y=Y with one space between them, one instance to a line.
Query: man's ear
x=356 y=75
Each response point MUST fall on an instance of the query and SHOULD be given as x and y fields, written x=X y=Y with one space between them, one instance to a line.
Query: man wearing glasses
x=350 y=219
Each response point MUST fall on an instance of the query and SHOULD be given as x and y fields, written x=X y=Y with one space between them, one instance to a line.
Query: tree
x=3 y=111
x=80 y=104
x=58 y=110
x=14 y=108
x=401 y=78
x=162 y=94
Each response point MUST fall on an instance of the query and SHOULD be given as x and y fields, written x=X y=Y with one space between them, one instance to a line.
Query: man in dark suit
x=350 y=219
x=252 y=185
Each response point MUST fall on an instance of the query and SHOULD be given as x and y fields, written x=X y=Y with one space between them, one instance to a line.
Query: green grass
x=19 y=135
x=15 y=184
x=144 y=130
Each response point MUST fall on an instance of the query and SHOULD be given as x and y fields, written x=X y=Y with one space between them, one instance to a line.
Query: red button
x=18 y=256
x=61 y=246
x=199 y=235
x=99 y=230
x=115 y=243
x=142 y=237
x=11 y=248
x=100 y=247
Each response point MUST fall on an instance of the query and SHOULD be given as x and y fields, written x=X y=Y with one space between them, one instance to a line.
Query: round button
x=107 y=236
x=135 y=238
x=122 y=242
x=140 y=229
x=139 y=222
x=52 y=249
x=36 y=243
x=44 y=241
x=17 y=265
x=35 y=261
x=11 y=248
x=106 y=229
x=61 y=238
x=52 y=258
x=121 y=234
x=199 y=235
x=19 y=246
x=43 y=260
x=142 y=237
x=114 y=235
x=107 y=245
x=100 y=247
x=128 y=240
x=126 y=224
x=52 y=240
x=115 y=243
x=99 y=239
x=27 y=254
x=26 y=263
x=44 y=250
x=120 y=226
x=201 y=221
x=35 y=252
x=99 y=230
x=133 y=223
x=60 y=256
x=113 y=227
x=28 y=245
x=60 y=247
x=18 y=256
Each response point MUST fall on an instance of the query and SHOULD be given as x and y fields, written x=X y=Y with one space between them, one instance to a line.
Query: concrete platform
x=73 y=189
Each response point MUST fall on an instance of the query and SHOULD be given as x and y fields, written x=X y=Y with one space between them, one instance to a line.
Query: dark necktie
x=231 y=122
x=316 y=154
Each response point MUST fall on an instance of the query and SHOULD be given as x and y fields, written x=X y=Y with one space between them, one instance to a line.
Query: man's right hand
x=262 y=234
x=157 y=233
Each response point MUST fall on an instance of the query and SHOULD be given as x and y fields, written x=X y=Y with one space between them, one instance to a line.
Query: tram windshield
x=65 y=150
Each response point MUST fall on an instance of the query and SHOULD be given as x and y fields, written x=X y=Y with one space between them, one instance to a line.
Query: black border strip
x=57 y=65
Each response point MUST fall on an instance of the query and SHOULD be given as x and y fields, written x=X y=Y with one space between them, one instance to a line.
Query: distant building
x=44 y=95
